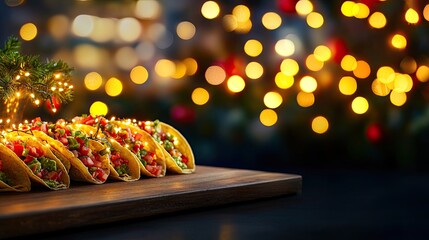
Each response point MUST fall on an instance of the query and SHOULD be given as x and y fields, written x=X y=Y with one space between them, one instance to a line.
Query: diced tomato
x=155 y=170
x=185 y=160
x=99 y=174
x=35 y=152
x=84 y=150
x=137 y=136
x=44 y=128
x=149 y=157
x=28 y=159
x=64 y=141
x=18 y=149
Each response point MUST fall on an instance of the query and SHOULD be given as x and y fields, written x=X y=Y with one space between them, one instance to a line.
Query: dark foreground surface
x=334 y=204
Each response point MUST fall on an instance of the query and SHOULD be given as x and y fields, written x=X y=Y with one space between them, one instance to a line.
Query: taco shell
x=183 y=146
x=33 y=141
x=150 y=145
x=15 y=171
x=78 y=171
x=133 y=162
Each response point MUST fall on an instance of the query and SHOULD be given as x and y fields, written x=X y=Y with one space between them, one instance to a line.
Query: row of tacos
x=90 y=149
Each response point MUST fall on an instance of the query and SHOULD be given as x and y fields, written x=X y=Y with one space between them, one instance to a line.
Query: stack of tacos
x=148 y=152
x=180 y=158
x=13 y=176
x=87 y=158
x=40 y=164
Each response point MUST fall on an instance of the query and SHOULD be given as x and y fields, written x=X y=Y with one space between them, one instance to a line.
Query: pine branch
x=26 y=76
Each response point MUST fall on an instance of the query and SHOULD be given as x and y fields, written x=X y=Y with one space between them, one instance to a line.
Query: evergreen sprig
x=27 y=76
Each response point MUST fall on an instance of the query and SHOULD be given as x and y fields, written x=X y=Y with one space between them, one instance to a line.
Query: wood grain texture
x=86 y=204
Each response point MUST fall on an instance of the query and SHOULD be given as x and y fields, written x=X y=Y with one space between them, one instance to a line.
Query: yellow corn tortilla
x=133 y=162
x=15 y=171
x=33 y=141
x=183 y=146
x=78 y=171
x=150 y=145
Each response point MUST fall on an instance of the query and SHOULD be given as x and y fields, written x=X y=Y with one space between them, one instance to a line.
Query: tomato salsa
x=167 y=140
x=77 y=142
x=42 y=166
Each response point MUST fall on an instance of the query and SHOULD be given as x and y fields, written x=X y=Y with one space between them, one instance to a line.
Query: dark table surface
x=334 y=204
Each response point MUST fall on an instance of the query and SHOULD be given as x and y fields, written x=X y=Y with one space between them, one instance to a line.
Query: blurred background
x=270 y=85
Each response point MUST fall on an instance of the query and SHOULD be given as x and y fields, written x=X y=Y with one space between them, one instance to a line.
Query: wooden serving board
x=83 y=204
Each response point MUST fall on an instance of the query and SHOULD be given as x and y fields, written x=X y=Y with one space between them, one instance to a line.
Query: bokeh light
x=215 y=75
x=83 y=25
x=185 y=30
x=200 y=96
x=289 y=67
x=305 y=99
x=98 y=108
x=253 y=47
x=210 y=10
x=379 y=88
x=58 y=26
x=139 y=75
x=398 y=98
x=129 y=29
x=268 y=117
x=422 y=73
x=348 y=63
x=320 y=124
x=273 y=99
x=28 y=31
x=93 y=81
x=113 y=87
x=362 y=70
x=254 y=70
x=315 y=20
x=271 y=20
x=304 y=7
x=360 y=105
x=347 y=85
x=147 y=9
x=283 y=81
x=411 y=16
x=285 y=47
x=322 y=53
x=308 y=84
x=242 y=13
x=377 y=20
x=399 y=41
x=362 y=11
x=165 y=68
x=191 y=66
x=236 y=84
x=313 y=64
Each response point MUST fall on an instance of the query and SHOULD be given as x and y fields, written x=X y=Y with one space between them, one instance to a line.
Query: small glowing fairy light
x=27 y=74
x=32 y=95
x=57 y=75
x=17 y=77
x=37 y=102
x=53 y=88
x=18 y=94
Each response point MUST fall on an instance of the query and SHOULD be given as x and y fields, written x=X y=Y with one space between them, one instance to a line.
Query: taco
x=88 y=158
x=124 y=165
x=13 y=177
x=41 y=165
x=148 y=152
x=180 y=158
